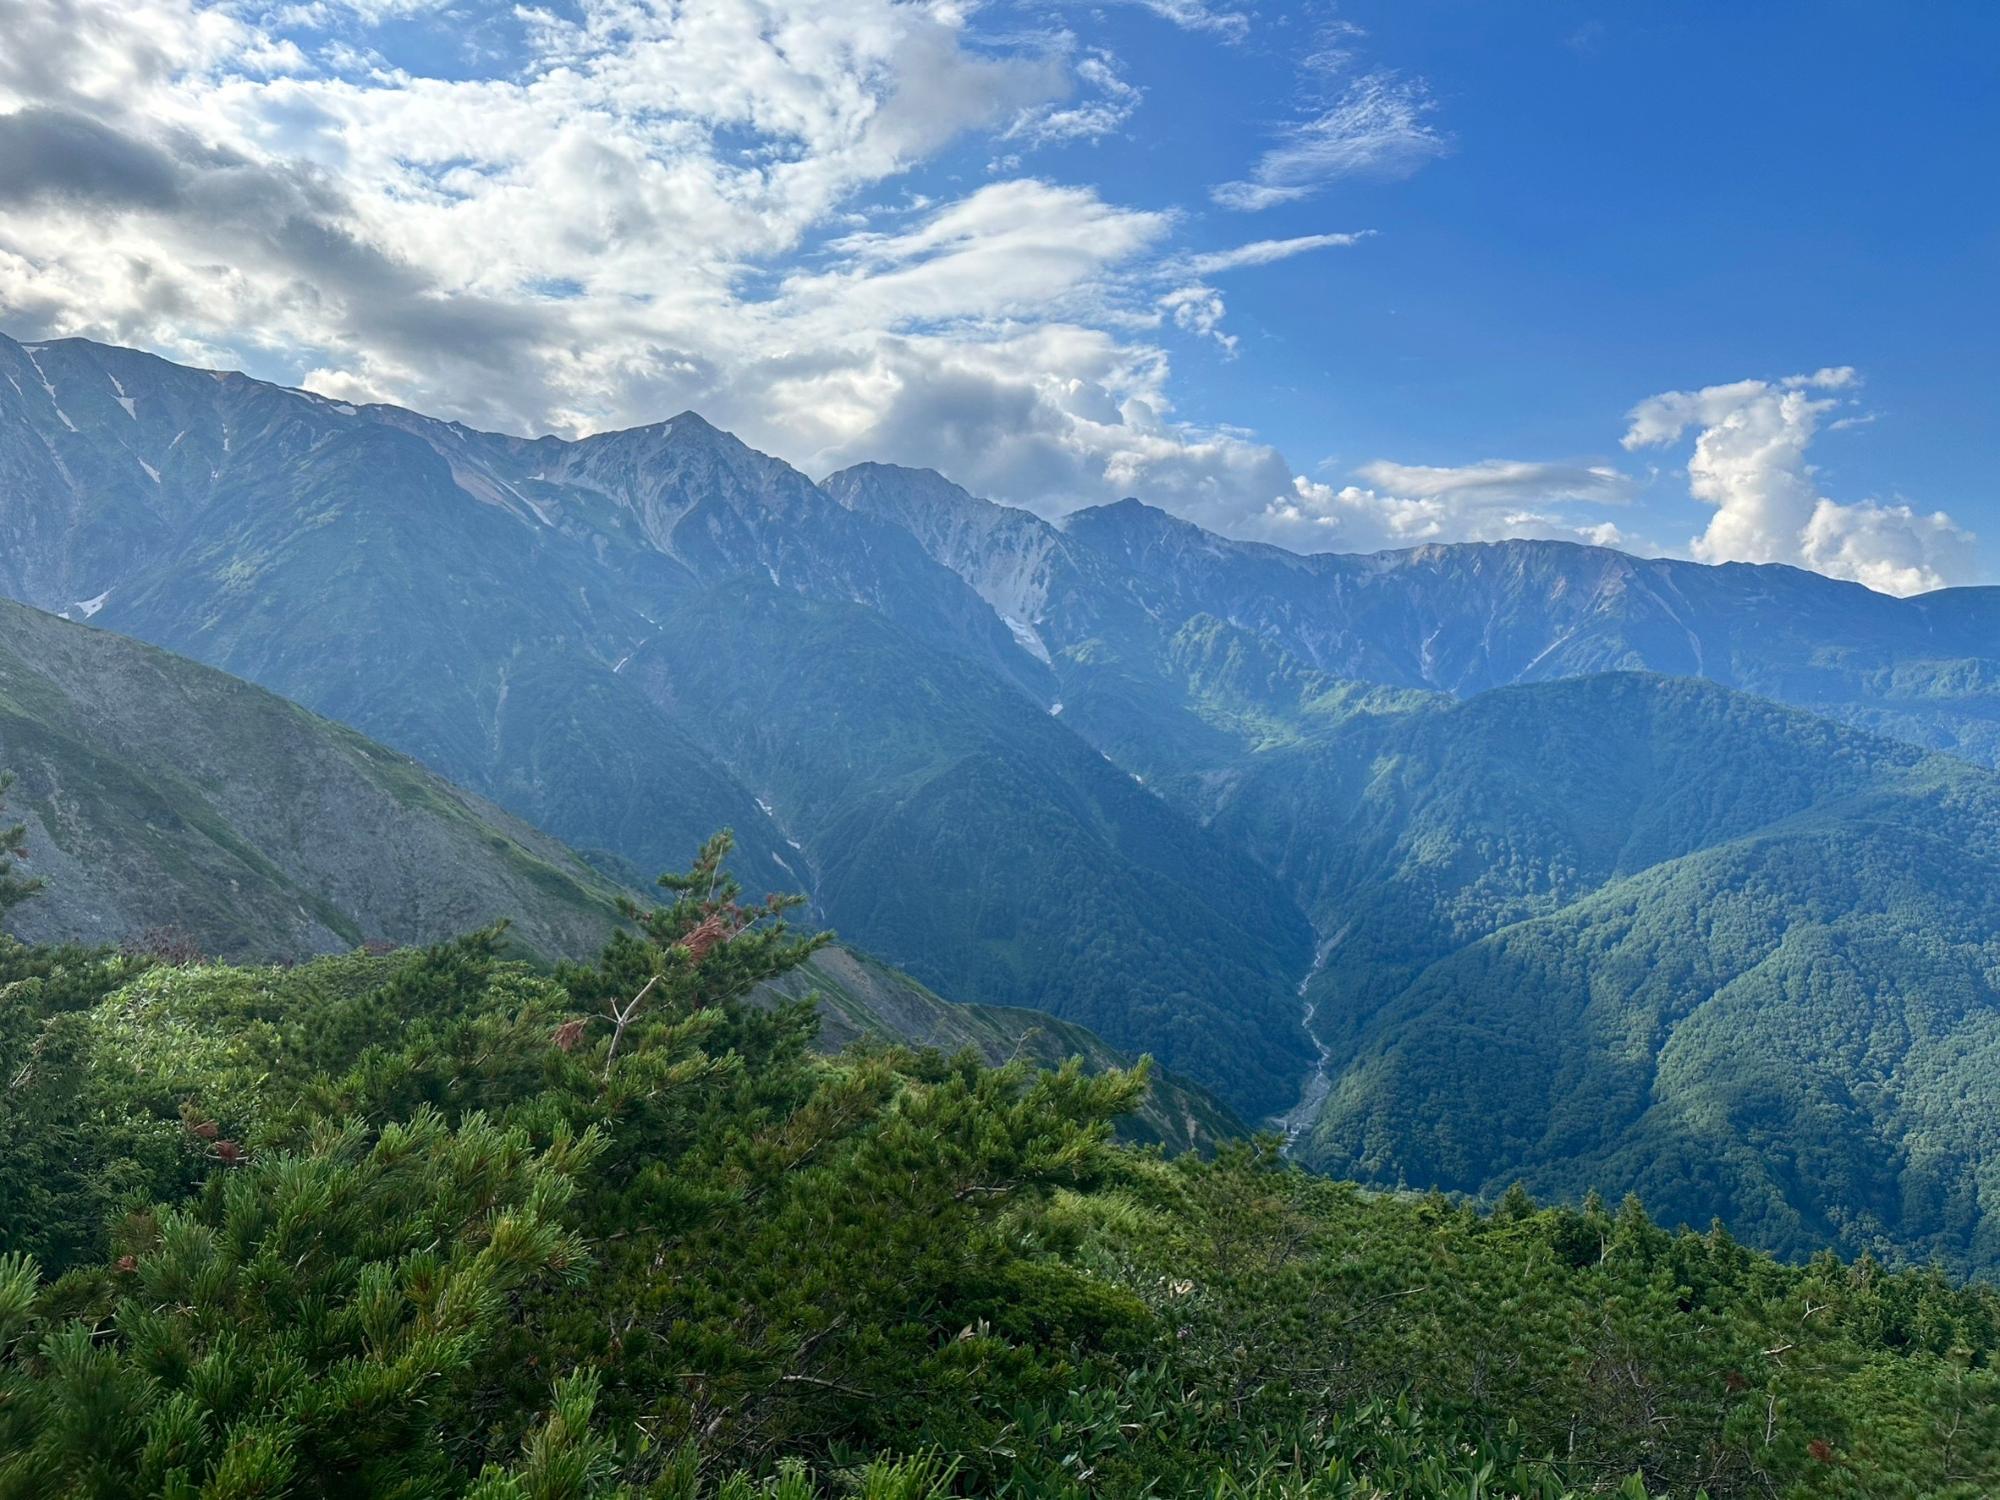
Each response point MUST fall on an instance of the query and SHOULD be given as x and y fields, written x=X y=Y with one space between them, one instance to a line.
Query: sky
x=1709 y=280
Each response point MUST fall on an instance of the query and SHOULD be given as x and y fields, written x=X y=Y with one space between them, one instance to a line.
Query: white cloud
x=1403 y=505
x=1010 y=249
x=1502 y=480
x=1195 y=15
x=1749 y=462
x=623 y=223
x=1199 y=309
x=1106 y=109
x=1891 y=548
x=652 y=206
x=1267 y=252
x=1378 y=127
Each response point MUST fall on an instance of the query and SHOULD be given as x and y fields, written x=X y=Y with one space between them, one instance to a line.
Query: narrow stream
x=1297 y=1120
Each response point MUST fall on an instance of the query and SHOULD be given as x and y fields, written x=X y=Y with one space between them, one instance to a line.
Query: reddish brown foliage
x=714 y=929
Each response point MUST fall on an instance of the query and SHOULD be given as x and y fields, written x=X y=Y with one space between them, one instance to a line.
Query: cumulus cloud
x=1402 y=505
x=1379 y=126
x=1749 y=462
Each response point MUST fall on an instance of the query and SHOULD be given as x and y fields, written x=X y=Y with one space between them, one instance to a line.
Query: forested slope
x=1636 y=932
x=173 y=809
x=863 y=1002
x=1055 y=876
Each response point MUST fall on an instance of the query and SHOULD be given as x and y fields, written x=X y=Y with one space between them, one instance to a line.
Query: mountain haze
x=506 y=609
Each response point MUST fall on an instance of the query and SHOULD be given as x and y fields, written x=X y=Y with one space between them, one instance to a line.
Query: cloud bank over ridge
x=822 y=223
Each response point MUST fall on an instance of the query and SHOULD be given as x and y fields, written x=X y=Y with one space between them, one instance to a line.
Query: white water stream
x=1297 y=1120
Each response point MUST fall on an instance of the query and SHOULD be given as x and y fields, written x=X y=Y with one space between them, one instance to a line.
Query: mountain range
x=1592 y=870
x=1105 y=590
x=1629 y=932
x=178 y=810
x=538 y=621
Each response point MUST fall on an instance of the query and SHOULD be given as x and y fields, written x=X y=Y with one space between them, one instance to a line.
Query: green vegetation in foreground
x=864 y=1002
x=434 y=1225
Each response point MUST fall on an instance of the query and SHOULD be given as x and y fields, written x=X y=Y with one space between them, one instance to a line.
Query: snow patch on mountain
x=63 y=415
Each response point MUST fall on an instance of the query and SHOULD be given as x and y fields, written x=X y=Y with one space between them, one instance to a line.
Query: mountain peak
x=689 y=426
x=940 y=513
x=1127 y=514
x=905 y=472
x=1130 y=506
x=1128 y=524
x=906 y=487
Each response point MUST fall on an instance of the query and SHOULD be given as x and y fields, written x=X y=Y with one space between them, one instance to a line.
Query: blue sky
x=1709 y=279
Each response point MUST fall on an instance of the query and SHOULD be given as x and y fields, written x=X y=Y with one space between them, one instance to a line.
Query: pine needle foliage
x=434 y=1225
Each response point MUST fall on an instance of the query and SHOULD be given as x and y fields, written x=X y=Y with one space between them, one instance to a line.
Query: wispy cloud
x=1198 y=308
x=1378 y=127
x=1268 y=252
x=1502 y=479
x=1107 y=103
x=1195 y=15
